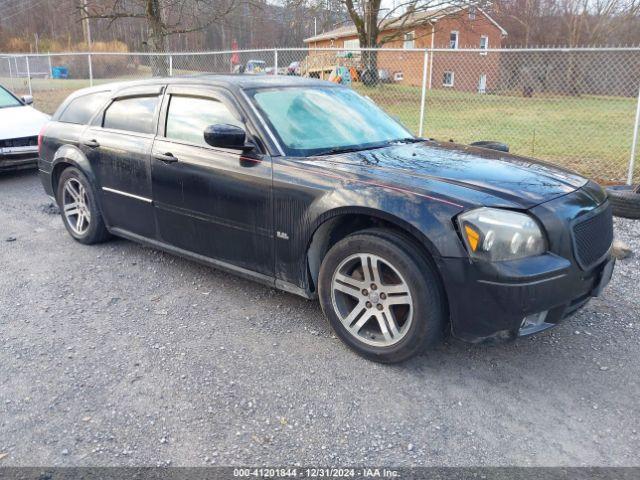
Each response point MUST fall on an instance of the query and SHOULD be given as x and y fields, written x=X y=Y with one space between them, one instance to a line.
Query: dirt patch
x=50 y=208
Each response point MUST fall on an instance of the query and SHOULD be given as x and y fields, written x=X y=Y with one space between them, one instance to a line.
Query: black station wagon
x=309 y=187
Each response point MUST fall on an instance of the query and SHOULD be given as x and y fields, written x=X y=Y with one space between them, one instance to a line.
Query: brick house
x=448 y=29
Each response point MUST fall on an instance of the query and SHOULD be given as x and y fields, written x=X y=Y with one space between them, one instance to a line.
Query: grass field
x=590 y=134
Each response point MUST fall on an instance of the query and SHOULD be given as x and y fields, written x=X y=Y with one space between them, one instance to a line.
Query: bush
x=103 y=66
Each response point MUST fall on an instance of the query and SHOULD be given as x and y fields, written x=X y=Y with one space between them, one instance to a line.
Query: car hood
x=513 y=180
x=22 y=121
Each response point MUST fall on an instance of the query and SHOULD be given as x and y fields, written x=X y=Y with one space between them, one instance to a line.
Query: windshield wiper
x=336 y=150
x=407 y=140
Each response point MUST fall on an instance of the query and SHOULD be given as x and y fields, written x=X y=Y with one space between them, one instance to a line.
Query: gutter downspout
x=433 y=35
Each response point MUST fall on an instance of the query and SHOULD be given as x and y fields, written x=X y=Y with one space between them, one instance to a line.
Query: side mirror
x=226 y=136
x=27 y=99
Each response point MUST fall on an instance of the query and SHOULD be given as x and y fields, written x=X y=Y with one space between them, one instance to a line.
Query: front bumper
x=18 y=158
x=492 y=301
x=502 y=300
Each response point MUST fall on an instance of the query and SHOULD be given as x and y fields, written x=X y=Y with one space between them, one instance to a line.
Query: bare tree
x=570 y=22
x=163 y=18
x=589 y=22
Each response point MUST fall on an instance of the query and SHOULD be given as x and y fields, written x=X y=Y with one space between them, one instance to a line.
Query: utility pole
x=86 y=30
x=86 y=26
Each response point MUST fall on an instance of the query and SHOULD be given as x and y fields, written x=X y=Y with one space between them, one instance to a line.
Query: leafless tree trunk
x=157 y=39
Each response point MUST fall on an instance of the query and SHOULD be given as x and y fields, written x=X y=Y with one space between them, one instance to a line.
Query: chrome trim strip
x=18 y=150
x=264 y=124
x=130 y=195
x=523 y=284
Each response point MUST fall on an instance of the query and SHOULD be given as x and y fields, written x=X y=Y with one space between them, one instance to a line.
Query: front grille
x=592 y=236
x=19 y=142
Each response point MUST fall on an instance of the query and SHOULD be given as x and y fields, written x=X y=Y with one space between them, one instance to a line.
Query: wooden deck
x=321 y=64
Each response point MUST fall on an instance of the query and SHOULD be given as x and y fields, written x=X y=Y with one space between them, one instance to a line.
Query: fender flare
x=315 y=246
x=70 y=155
x=375 y=213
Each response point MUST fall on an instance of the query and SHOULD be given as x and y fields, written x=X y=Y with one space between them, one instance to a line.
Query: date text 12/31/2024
x=316 y=472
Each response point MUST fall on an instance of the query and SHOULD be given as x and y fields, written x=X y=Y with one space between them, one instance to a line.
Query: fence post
x=636 y=125
x=171 y=65
x=423 y=97
x=28 y=75
x=275 y=61
x=90 y=70
x=431 y=68
x=50 y=67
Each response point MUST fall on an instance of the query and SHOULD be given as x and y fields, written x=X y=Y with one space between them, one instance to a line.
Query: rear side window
x=81 y=109
x=132 y=114
x=189 y=116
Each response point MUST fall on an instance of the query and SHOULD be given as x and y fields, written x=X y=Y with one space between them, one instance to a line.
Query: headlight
x=493 y=234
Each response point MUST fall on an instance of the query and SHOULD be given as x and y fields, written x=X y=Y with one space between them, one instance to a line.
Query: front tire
x=79 y=208
x=382 y=297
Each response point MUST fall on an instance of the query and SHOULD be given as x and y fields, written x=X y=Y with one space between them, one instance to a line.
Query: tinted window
x=132 y=114
x=189 y=116
x=81 y=109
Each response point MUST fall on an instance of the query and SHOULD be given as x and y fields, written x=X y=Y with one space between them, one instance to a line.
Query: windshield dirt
x=315 y=120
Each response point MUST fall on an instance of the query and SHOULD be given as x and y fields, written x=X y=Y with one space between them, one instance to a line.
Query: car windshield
x=319 y=120
x=7 y=99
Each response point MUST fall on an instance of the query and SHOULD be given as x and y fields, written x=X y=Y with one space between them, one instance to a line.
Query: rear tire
x=382 y=297
x=79 y=209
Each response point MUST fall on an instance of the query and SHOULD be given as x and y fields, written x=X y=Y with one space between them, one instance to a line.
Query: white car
x=20 y=125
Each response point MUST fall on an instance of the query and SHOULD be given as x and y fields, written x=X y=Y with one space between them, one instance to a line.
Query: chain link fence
x=578 y=108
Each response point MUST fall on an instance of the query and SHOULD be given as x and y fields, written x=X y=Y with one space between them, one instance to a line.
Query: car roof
x=229 y=81
x=248 y=81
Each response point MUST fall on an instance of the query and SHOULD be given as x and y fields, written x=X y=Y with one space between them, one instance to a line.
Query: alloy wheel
x=372 y=299
x=75 y=204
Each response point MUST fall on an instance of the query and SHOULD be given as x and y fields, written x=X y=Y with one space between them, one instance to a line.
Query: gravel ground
x=122 y=355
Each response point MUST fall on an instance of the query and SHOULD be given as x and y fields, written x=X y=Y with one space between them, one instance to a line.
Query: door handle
x=93 y=143
x=166 y=158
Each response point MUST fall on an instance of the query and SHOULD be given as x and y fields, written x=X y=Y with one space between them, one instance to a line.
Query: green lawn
x=590 y=134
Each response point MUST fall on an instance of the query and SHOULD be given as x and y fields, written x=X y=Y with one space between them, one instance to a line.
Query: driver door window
x=188 y=117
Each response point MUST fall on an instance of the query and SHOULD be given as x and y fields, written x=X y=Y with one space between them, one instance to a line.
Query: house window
x=453 y=39
x=482 y=83
x=398 y=76
x=352 y=44
x=472 y=13
x=484 y=44
x=447 y=79
x=409 y=40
